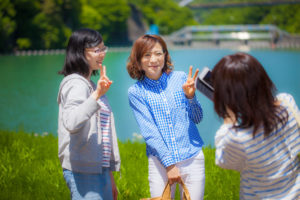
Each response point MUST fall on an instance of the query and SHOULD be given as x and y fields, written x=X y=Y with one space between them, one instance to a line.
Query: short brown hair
x=242 y=85
x=140 y=47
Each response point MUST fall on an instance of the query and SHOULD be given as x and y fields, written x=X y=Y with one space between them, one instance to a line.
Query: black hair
x=75 y=61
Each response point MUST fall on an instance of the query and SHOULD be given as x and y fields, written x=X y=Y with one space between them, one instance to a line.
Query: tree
x=7 y=25
x=50 y=25
x=168 y=15
x=245 y=15
x=108 y=17
x=286 y=17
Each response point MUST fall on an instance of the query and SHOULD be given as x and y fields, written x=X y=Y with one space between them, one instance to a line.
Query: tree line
x=47 y=24
x=285 y=16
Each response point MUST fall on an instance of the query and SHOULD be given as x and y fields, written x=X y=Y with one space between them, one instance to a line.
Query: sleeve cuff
x=168 y=161
x=91 y=105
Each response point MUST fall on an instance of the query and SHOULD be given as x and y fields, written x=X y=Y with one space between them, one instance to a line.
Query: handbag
x=166 y=195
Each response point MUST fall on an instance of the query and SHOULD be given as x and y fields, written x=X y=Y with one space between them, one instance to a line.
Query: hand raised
x=189 y=86
x=103 y=84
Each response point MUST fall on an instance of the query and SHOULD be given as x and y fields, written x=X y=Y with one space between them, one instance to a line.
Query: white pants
x=192 y=173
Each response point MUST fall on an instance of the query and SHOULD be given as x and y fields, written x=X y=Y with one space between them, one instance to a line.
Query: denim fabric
x=89 y=186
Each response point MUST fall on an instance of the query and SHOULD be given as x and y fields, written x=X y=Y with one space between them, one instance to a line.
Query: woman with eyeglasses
x=87 y=140
x=167 y=111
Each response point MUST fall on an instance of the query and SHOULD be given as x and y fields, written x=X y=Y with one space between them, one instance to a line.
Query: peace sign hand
x=189 y=86
x=103 y=84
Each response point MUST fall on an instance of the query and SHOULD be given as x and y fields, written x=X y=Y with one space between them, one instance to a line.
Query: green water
x=29 y=86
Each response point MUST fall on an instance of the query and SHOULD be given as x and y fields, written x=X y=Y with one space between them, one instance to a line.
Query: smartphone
x=203 y=83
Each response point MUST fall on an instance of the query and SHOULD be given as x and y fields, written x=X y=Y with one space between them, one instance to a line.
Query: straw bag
x=167 y=193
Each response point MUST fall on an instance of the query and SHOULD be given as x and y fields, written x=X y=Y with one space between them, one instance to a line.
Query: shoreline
x=195 y=45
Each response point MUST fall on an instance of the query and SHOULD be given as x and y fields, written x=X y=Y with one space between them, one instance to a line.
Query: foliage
x=169 y=16
x=23 y=43
x=225 y=1
x=33 y=24
x=285 y=17
x=248 y=15
x=7 y=24
x=108 y=17
x=30 y=169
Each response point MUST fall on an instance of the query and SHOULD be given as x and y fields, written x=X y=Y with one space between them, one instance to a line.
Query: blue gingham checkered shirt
x=167 y=119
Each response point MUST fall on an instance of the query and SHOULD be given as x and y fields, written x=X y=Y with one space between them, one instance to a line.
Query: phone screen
x=207 y=78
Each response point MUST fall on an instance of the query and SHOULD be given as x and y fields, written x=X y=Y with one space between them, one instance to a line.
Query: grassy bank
x=30 y=169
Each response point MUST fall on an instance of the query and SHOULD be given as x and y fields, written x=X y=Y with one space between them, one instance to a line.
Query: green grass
x=30 y=169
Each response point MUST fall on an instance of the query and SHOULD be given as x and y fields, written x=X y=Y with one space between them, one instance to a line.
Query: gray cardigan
x=79 y=132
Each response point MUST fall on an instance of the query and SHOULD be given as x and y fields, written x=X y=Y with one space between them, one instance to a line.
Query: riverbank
x=30 y=169
x=239 y=45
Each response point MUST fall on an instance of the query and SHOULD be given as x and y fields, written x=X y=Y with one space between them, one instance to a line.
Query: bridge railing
x=267 y=34
x=229 y=32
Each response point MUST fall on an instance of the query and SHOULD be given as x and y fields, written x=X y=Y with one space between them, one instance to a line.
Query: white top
x=269 y=166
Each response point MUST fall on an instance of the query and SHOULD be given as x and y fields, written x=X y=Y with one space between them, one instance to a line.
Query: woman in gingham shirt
x=167 y=111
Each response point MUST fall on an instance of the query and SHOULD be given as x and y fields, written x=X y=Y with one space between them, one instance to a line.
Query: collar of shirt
x=161 y=81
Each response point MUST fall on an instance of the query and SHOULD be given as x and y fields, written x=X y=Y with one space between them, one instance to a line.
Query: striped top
x=105 y=113
x=269 y=166
x=167 y=119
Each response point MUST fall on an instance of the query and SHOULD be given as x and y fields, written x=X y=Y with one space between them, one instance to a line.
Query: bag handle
x=167 y=192
x=186 y=194
x=166 y=195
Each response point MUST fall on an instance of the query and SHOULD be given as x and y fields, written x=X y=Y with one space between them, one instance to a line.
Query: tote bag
x=167 y=193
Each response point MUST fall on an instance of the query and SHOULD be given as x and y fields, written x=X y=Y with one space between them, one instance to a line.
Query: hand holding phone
x=203 y=83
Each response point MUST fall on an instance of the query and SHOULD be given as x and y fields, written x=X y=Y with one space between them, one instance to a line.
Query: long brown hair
x=140 y=47
x=242 y=85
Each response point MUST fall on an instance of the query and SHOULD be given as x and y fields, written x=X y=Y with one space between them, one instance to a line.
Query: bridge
x=235 y=4
x=217 y=35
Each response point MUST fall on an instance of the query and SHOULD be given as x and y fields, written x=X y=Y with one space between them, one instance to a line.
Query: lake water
x=29 y=86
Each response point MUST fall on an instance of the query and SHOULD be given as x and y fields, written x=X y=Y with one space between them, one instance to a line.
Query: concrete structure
x=213 y=5
x=260 y=36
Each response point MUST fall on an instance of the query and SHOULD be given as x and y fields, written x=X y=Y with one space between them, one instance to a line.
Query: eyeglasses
x=98 y=50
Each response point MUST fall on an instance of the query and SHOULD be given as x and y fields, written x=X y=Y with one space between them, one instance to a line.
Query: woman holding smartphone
x=260 y=136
